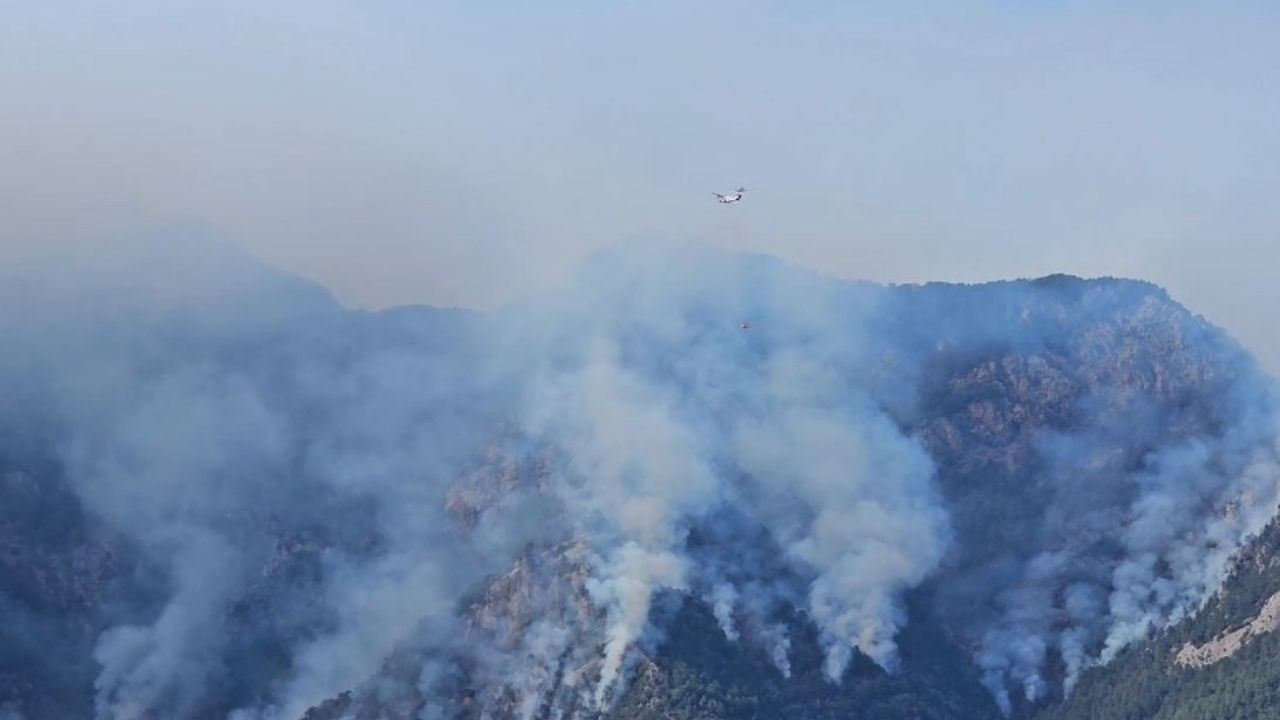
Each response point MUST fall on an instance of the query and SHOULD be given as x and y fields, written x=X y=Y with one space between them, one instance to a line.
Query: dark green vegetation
x=1088 y=357
x=1035 y=401
x=699 y=675
x=1144 y=682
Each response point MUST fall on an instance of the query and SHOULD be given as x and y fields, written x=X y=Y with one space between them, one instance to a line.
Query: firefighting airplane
x=727 y=198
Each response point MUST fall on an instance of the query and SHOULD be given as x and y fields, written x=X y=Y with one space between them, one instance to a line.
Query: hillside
x=1107 y=369
x=1235 y=677
x=934 y=501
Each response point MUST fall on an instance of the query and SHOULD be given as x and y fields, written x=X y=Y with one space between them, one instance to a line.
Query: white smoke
x=723 y=598
x=1178 y=521
x=169 y=464
x=774 y=472
x=868 y=525
x=635 y=478
x=650 y=450
x=778 y=643
x=1194 y=512
x=165 y=663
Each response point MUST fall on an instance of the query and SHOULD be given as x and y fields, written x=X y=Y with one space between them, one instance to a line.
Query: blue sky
x=471 y=153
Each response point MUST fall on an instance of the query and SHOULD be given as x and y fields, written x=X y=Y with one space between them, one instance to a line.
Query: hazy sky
x=468 y=153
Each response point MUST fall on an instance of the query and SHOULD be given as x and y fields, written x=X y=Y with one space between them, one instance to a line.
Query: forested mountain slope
x=1235 y=676
x=223 y=496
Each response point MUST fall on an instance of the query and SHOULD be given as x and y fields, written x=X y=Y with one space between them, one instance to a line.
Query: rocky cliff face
x=926 y=501
x=1228 y=643
x=58 y=569
x=1043 y=432
x=1220 y=662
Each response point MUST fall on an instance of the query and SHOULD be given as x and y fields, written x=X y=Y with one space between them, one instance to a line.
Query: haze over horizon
x=827 y=453
x=447 y=154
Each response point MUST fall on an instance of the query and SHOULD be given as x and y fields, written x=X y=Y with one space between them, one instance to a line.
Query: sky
x=471 y=154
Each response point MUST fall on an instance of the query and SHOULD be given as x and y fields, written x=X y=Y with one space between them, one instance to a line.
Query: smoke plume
x=424 y=505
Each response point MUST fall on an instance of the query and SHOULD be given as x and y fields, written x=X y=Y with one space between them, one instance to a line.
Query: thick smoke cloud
x=669 y=417
x=637 y=479
x=848 y=496
x=1145 y=493
x=675 y=415
x=232 y=425
x=425 y=505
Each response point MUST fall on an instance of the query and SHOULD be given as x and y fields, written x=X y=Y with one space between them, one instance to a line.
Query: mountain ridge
x=1023 y=445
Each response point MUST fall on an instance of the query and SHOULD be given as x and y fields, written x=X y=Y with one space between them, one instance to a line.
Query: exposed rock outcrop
x=1227 y=644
